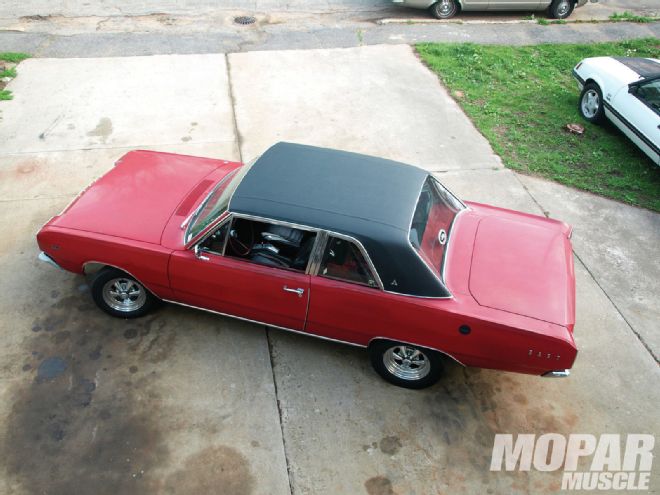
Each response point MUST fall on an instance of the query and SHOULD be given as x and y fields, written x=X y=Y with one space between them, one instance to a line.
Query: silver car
x=444 y=9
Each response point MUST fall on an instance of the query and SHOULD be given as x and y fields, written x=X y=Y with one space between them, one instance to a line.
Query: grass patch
x=13 y=57
x=520 y=98
x=630 y=17
x=8 y=72
x=10 y=58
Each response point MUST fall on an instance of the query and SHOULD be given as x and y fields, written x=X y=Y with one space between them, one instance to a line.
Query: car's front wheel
x=444 y=9
x=120 y=295
x=405 y=365
x=561 y=9
x=590 y=104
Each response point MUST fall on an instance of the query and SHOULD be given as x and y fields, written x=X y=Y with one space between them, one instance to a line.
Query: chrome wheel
x=124 y=294
x=406 y=363
x=563 y=8
x=444 y=9
x=590 y=103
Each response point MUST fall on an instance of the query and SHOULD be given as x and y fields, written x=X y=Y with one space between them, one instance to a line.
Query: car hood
x=618 y=71
x=136 y=198
x=523 y=264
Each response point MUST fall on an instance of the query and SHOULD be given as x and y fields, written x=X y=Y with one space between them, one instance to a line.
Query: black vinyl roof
x=368 y=198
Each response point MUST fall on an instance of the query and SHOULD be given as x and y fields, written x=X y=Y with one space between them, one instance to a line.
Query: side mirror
x=199 y=253
x=632 y=88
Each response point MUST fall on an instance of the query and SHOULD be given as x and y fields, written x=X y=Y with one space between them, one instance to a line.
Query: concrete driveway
x=187 y=402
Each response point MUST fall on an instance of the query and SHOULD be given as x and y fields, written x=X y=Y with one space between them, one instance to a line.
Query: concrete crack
x=279 y=411
x=232 y=100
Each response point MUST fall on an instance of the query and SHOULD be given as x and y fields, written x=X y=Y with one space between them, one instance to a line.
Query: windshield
x=432 y=221
x=217 y=202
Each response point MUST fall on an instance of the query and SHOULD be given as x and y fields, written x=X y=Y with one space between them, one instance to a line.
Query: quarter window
x=343 y=260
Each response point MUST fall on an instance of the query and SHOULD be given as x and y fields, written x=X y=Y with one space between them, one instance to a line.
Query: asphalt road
x=55 y=31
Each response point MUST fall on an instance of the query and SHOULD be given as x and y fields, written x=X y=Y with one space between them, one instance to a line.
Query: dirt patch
x=390 y=445
x=102 y=130
x=81 y=422
x=219 y=469
x=379 y=485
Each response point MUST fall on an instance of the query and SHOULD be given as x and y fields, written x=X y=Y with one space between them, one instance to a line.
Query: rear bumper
x=557 y=374
x=47 y=259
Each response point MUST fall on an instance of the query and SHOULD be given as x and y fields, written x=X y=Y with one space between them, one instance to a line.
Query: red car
x=341 y=246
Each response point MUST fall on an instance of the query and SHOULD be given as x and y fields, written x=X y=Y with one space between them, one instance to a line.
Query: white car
x=626 y=90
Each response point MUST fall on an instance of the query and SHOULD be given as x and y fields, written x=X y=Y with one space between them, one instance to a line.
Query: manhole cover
x=245 y=19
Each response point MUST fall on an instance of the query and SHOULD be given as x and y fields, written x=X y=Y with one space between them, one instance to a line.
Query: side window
x=269 y=244
x=650 y=94
x=342 y=260
x=216 y=241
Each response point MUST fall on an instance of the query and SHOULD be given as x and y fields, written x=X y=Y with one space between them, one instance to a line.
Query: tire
x=561 y=9
x=444 y=9
x=387 y=358
x=590 y=104
x=120 y=295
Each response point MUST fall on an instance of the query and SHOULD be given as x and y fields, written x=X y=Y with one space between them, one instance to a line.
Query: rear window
x=434 y=214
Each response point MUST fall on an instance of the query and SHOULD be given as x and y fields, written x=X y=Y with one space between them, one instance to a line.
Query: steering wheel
x=242 y=247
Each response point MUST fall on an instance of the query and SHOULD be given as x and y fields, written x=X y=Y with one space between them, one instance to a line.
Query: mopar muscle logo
x=617 y=462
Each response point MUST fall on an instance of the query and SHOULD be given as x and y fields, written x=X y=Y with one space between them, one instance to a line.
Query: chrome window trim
x=207 y=231
x=230 y=218
x=439 y=277
x=223 y=219
x=301 y=332
x=317 y=252
x=189 y=221
x=366 y=257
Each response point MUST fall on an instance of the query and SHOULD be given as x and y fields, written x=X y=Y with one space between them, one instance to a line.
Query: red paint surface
x=510 y=273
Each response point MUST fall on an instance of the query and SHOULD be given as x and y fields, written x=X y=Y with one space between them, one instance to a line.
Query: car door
x=516 y=4
x=346 y=301
x=636 y=111
x=237 y=286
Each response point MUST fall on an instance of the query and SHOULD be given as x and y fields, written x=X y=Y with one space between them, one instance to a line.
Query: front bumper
x=578 y=79
x=557 y=374
x=47 y=259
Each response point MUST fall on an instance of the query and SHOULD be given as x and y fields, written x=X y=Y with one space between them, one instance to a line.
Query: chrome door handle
x=298 y=291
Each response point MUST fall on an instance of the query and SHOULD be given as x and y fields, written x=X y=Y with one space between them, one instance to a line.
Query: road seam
x=232 y=102
x=593 y=277
x=239 y=143
x=279 y=409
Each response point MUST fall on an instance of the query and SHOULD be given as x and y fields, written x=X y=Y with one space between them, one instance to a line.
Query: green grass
x=13 y=57
x=630 y=17
x=8 y=72
x=521 y=99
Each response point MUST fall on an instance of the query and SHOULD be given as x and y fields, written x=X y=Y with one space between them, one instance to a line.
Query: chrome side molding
x=47 y=259
x=557 y=374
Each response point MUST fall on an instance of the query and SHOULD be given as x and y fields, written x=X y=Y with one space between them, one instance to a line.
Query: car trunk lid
x=524 y=266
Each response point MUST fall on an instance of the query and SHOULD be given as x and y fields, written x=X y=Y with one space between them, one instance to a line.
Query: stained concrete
x=345 y=430
x=157 y=405
x=77 y=104
x=185 y=402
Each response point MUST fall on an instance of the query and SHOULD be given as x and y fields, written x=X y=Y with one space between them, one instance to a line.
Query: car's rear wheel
x=405 y=365
x=590 y=104
x=444 y=9
x=120 y=295
x=561 y=9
